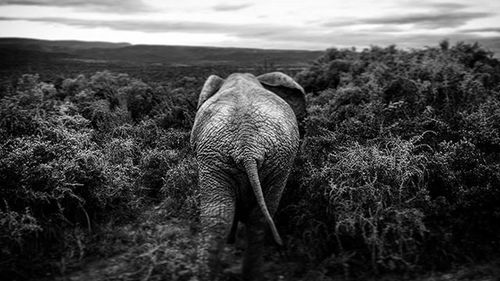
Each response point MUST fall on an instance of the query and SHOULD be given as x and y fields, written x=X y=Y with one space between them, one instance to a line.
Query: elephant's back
x=254 y=106
x=247 y=121
x=258 y=112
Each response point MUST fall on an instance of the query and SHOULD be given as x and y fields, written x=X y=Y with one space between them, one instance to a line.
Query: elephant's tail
x=253 y=176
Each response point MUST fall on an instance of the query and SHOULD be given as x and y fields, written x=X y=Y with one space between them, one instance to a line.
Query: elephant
x=245 y=137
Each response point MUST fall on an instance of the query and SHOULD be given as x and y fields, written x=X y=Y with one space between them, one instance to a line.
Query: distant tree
x=444 y=45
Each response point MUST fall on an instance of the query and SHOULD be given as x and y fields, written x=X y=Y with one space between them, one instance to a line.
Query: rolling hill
x=26 y=50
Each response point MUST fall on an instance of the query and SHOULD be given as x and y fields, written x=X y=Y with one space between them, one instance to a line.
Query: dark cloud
x=431 y=21
x=382 y=29
x=484 y=29
x=128 y=6
x=231 y=7
x=442 y=15
x=433 y=6
x=307 y=39
x=128 y=25
x=161 y=26
x=446 y=6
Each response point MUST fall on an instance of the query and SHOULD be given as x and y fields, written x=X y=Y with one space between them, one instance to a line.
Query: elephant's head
x=277 y=82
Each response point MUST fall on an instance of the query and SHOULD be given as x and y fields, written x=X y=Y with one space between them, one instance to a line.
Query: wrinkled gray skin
x=245 y=137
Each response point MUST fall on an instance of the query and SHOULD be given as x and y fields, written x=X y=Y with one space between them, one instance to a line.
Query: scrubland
x=398 y=172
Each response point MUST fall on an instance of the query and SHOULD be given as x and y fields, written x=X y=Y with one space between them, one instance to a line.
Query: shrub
x=434 y=112
x=398 y=170
x=179 y=189
x=371 y=200
x=54 y=176
x=155 y=164
x=464 y=187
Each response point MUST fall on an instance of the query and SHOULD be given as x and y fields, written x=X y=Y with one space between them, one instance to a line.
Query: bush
x=399 y=166
x=182 y=198
x=371 y=200
x=155 y=164
x=398 y=169
x=65 y=165
x=462 y=220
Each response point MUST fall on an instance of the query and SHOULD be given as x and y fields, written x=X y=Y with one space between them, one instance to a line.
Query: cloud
x=308 y=39
x=281 y=36
x=484 y=29
x=127 y=6
x=430 y=21
x=445 y=6
x=231 y=7
x=127 y=25
x=440 y=15
x=161 y=26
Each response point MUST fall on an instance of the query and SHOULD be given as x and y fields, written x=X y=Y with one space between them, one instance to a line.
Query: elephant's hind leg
x=258 y=230
x=216 y=215
x=255 y=233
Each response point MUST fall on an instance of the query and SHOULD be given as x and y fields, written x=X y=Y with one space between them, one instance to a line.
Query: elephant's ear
x=289 y=90
x=211 y=86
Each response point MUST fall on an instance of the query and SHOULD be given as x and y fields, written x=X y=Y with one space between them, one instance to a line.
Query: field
x=398 y=176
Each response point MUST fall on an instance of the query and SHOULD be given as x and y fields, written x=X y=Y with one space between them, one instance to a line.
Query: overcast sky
x=285 y=24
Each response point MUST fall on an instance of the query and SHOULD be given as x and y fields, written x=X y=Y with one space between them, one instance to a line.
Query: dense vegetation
x=399 y=170
x=401 y=159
